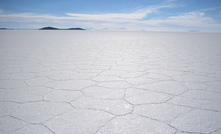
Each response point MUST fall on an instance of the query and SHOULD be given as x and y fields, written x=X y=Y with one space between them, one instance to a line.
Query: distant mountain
x=53 y=28
x=193 y=31
x=48 y=28
x=75 y=28
x=3 y=28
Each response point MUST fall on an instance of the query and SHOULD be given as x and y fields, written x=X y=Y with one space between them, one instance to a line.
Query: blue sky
x=150 y=15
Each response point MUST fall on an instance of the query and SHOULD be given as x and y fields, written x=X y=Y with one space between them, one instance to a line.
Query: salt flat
x=99 y=82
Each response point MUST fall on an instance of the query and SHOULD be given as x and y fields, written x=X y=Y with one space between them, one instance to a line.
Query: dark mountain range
x=48 y=28
x=77 y=28
x=54 y=28
x=3 y=28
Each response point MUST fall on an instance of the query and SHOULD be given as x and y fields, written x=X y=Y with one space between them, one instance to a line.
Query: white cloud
x=120 y=17
x=106 y=17
x=191 y=19
x=209 y=9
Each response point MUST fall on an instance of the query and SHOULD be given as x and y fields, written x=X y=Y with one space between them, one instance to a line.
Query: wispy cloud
x=191 y=19
x=120 y=17
x=209 y=9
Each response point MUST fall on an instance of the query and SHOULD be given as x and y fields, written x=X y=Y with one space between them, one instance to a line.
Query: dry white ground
x=88 y=82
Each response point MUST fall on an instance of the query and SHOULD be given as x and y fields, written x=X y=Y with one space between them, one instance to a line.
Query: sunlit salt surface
x=114 y=82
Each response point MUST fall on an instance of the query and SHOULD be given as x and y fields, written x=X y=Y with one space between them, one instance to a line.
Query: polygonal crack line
x=194 y=107
x=216 y=77
x=76 y=100
x=188 y=132
x=83 y=94
x=33 y=72
x=15 y=118
x=13 y=87
x=215 y=130
x=112 y=88
x=96 y=132
x=195 y=98
x=146 y=83
x=180 y=94
x=126 y=71
x=143 y=104
x=35 y=124
x=21 y=103
x=124 y=80
x=10 y=114
x=171 y=79
x=64 y=69
x=102 y=87
x=48 y=128
x=91 y=80
x=89 y=71
x=159 y=121
x=202 y=82
x=26 y=83
x=49 y=87
x=41 y=85
x=57 y=115
x=19 y=120
x=26 y=102
x=67 y=89
x=188 y=111
x=94 y=109
x=188 y=89
x=64 y=102
x=209 y=90
x=203 y=74
x=184 y=72
x=43 y=96
x=53 y=80
x=124 y=96
x=105 y=98
x=37 y=77
x=145 y=89
x=88 y=87
x=47 y=66
x=133 y=106
x=172 y=96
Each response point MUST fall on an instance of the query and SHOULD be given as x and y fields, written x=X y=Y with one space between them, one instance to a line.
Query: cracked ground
x=88 y=82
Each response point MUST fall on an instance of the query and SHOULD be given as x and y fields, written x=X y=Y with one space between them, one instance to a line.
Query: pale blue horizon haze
x=149 y=15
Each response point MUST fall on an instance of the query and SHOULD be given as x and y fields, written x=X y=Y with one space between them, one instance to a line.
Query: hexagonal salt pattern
x=95 y=82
